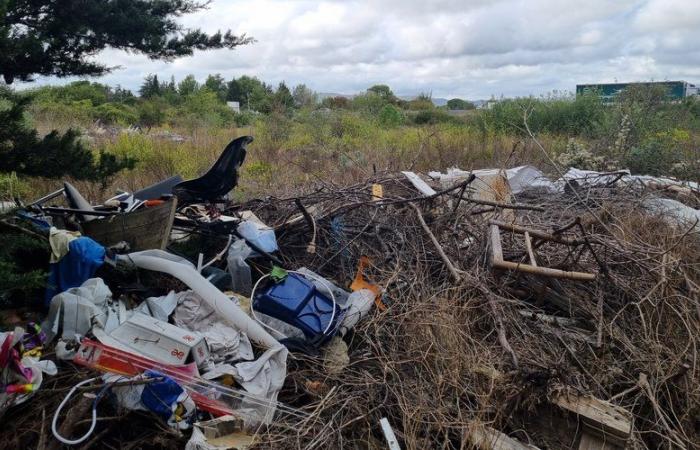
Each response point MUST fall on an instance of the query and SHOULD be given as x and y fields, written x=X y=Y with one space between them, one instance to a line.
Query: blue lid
x=296 y=302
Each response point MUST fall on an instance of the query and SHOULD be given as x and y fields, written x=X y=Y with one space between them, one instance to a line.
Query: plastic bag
x=241 y=281
x=258 y=234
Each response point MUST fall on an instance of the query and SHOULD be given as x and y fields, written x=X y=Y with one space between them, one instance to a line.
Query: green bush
x=433 y=116
x=11 y=186
x=369 y=103
x=22 y=273
x=243 y=119
x=575 y=116
x=390 y=117
x=661 y=154
x=151 y=113
x=115 y=114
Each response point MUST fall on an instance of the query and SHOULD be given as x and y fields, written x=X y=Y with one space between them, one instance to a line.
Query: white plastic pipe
x=183 y=270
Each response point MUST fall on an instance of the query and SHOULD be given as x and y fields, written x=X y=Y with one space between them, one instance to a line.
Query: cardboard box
x=161 y=341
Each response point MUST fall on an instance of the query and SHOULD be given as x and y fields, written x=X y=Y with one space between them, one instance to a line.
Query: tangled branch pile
x=460 y=348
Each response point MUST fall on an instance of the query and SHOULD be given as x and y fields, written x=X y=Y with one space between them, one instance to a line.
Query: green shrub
x=115 y=114
x=369 y=103
x=577 y=155
x=390 y=117
x=243 y=119
x=12 y=186
x=22 y=273
x=433 y=116
x=661 y=154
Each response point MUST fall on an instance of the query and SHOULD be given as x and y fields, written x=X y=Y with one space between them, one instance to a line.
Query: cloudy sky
x=473 y=49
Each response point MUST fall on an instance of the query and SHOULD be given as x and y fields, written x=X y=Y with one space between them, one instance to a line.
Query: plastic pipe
x=161 y=261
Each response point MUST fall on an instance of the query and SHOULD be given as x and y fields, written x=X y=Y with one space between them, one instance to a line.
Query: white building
x=235 y=106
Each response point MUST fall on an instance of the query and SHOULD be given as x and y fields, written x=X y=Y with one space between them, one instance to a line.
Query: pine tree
x=48 y=37
x=58 y=38
x=150 y=87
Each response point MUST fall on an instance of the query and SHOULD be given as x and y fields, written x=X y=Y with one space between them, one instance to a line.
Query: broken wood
x=590 y=441
x=486 y=438
x=311 y=248
x=528 y=247
x=536 y=233
x=498 y=262
x=610 y=423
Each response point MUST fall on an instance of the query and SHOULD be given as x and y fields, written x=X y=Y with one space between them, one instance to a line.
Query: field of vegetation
x=181 y=127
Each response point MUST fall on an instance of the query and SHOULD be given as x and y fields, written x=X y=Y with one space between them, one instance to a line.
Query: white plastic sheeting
x=519 y=178
x=592 y=177
x=678 y=212
x=528 y=177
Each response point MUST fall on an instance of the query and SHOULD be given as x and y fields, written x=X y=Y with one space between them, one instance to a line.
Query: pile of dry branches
x=461 y=345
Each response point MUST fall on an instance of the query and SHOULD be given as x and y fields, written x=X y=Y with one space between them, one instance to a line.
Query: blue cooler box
x=296 y=301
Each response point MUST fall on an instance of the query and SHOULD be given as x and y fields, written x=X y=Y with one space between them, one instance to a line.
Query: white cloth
x=225 y=342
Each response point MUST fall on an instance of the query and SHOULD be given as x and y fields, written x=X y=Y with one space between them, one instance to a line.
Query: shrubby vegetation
x=299 y=134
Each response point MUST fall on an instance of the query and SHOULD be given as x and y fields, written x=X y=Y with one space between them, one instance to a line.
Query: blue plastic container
x=296 y=301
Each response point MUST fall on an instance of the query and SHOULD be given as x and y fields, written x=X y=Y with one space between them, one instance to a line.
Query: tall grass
x=297 y=149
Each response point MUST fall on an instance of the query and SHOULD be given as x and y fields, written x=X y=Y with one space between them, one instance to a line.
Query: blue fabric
x=160 y=396
x=84 y=257
x=36 y=221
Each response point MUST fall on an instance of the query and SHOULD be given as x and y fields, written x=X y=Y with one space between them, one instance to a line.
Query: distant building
x=609 y=91
x=235 y=106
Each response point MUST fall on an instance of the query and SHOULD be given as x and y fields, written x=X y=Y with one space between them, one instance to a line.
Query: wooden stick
x=498 y=262
x=311 y=248
x=544 y=271
x=528 y=246
x=502 y=338
x=453 y=270
x=536 y=233
x=503 y=205
x=24 y=230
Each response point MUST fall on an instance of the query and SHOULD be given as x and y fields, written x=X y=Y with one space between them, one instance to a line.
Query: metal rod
x=46 y=198
x=81 y=211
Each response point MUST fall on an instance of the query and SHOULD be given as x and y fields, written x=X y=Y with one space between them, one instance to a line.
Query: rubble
x=487 y=309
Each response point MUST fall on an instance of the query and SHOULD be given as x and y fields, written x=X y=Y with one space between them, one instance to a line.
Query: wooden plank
x=495 y=242
x=599 y=417
x=497 y=254
x=377 y=192
x=419 y=184
x=590 y=441
x=543 y=271
x=389 y=435
x=487 y=438
x=528 y=246
x=536 y=233
x=143 y=229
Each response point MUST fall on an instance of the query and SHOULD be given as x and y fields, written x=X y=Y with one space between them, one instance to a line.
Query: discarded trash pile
x=492 y=309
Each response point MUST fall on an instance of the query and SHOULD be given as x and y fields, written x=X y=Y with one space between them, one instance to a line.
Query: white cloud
x=471 y=48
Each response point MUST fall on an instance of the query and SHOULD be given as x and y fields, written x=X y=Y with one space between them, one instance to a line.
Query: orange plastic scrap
x=361 y=283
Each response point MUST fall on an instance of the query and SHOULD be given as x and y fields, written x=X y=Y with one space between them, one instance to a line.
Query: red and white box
x=161 y=341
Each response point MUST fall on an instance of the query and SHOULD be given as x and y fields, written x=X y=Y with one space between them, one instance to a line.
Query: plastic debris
x=259 y=235
x=241 y=281
x=159 y=394
x=222 y=433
